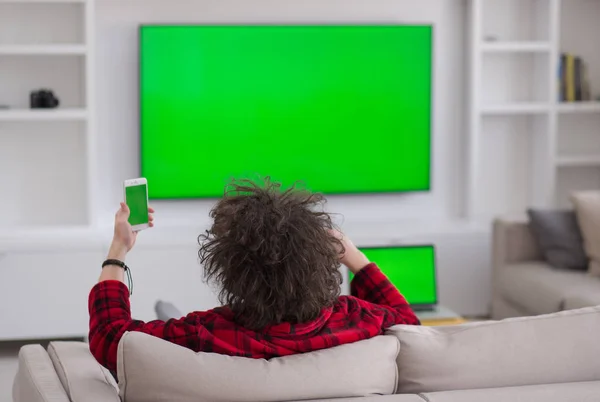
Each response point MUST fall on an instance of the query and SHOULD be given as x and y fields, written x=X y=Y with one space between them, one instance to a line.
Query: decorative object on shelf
x=43 y=99
x=574 y=85
x=490 y=38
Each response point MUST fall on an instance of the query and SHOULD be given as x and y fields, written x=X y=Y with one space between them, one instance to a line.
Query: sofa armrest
x=36 y=379
x=82 y=377
x=513 y=242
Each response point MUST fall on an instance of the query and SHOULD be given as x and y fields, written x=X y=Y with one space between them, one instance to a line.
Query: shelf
x=578 y=160
x=578 y=107
x=516 y=109
x=516 y=47
x=40 y=1
x=37 y=50
x=43 y=114
x=174 y=233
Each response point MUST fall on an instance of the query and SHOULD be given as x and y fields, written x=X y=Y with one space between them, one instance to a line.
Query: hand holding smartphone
x=136 y=198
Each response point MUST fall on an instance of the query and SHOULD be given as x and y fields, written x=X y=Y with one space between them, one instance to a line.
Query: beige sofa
x=546 y=358
x=523 y=284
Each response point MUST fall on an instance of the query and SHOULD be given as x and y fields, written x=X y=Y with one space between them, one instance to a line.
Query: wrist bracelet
x=121 y=264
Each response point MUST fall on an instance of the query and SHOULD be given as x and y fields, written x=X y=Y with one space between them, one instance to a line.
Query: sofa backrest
x=36 y=379
x=554 y=348
x=82 y=377
x=513 y=242
x=151 y=369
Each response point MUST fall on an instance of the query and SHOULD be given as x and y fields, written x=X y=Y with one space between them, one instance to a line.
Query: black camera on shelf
x=43 y=99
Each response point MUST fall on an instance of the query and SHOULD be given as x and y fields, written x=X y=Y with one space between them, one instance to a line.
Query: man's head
x=272 y=253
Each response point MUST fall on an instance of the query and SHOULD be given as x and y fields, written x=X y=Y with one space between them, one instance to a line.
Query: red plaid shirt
x=375 y=305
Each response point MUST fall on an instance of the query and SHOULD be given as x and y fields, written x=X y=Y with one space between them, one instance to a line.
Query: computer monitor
x=411 y=269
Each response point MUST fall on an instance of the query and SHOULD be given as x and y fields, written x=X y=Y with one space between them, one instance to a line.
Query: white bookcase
x=46 y=44
x=525 y=148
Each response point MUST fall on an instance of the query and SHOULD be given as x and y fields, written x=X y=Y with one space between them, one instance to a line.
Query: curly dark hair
x=272 y=253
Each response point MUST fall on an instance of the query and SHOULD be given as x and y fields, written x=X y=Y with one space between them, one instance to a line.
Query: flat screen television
x=342 y=108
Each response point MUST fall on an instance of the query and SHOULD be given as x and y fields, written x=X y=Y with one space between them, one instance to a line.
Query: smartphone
x=136 y=198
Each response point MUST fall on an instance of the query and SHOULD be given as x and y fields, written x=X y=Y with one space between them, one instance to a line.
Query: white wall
x=164 y=262
x=117 y=88
x=463 y=251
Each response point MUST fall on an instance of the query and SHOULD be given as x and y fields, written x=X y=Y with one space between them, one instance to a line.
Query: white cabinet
x=170 y=273
x=44 y=295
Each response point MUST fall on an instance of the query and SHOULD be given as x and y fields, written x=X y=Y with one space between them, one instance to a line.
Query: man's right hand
x=352 y=257
x=124 y=236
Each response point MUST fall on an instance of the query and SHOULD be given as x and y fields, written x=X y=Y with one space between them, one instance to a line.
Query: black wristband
x=121 y=264
x=118 y=263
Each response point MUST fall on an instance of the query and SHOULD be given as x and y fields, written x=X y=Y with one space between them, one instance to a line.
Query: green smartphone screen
x=411 y=269
x=136 y=198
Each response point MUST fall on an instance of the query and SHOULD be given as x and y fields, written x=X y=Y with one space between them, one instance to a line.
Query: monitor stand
x=423 y=307
x=438 y=312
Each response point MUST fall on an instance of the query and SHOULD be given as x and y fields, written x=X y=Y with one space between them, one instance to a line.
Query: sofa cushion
x=537 y=288
x=587 y=205
x=151 y=369
x=378 y=398
x=583 y=299
x=520 y=351
x=81 y=375
x=559 y=238
x=36 y=379
x=570 y=392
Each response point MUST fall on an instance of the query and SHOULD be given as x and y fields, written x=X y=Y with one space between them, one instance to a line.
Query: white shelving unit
x=578 y=107
x=515 y=47
x=578 y=160
x=525 y=147
x=26 y=115
x=517 y=108
x=42 y=1
x=46 y=44
x=41 y=50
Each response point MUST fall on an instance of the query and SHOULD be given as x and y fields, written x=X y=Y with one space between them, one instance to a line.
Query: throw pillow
x=154 y=370
x=587 y=205
x=559 y=238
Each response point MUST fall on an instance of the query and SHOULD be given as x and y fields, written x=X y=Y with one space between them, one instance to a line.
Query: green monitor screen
x=410 y=268
x=341 y=108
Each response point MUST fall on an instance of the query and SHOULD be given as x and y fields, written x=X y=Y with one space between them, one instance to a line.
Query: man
x=275 y=256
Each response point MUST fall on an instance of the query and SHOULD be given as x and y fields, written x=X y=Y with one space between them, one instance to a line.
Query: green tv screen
x=343 y=109
x=410 y=268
